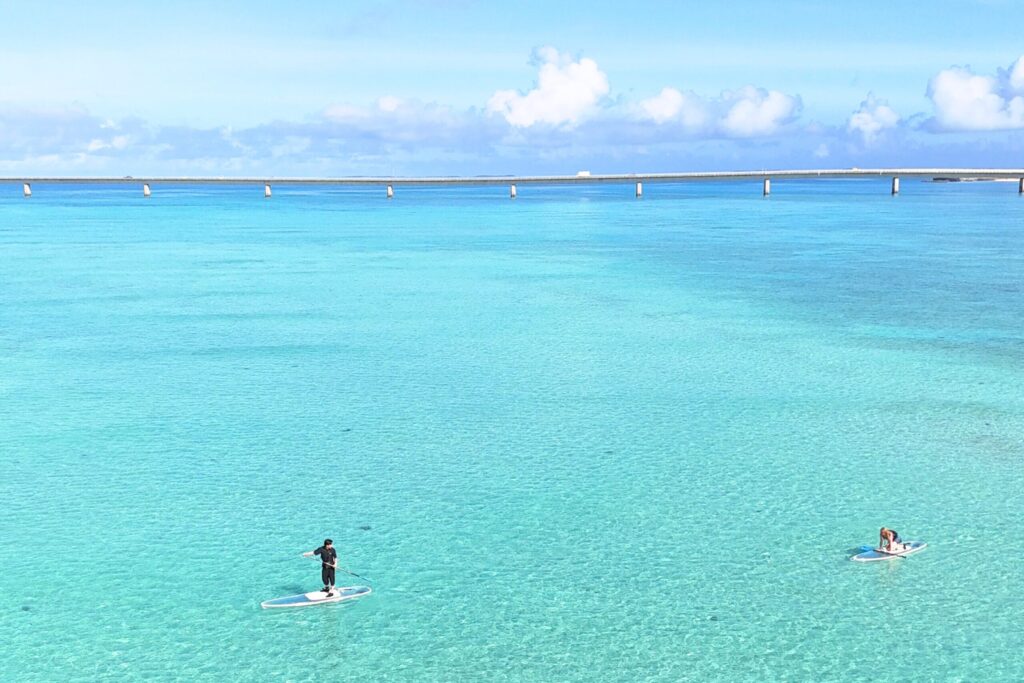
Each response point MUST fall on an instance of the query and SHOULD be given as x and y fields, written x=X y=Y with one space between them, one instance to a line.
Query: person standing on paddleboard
x=329 y=558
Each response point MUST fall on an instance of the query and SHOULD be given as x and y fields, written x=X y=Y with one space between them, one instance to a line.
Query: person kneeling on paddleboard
x=329 y=558
x=889 y=539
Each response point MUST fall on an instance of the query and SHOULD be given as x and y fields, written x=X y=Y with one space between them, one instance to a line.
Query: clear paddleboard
x=876 y=555
x=318 y=597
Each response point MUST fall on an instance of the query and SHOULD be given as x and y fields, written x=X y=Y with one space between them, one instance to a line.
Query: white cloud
x=872 y=118
x=756 y=111
x=566 y=92
x=1016 y=76
x=685 y=108
x=747 y=112
x=566 y=121
x=964 y=100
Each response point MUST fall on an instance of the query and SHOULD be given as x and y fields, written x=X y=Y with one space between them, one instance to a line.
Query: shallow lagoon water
x=573 y=436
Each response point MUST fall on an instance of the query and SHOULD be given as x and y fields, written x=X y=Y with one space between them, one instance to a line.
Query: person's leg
x=330 y=577
x=325 y=576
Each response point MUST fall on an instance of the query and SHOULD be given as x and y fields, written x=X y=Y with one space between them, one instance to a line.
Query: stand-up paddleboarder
x=329 y=559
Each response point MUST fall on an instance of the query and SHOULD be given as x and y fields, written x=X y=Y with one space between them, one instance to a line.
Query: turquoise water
x=571 y=437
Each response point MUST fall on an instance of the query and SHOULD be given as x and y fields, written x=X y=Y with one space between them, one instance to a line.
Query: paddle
x=310 y=555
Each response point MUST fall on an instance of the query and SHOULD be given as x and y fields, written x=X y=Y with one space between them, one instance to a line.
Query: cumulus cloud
x=566 y=92
x=756 y=111
x=873 y=117
x=743 y=113
x=964 y=100
x=684 y=108
x=1015 y=75
x=566 y=121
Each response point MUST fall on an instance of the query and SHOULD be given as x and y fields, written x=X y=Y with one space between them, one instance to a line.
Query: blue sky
x=454 y=86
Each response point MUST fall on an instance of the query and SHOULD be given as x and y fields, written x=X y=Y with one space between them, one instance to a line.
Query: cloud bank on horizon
x=570 y=117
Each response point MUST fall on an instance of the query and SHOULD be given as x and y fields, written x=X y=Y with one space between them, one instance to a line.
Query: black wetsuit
x=328 y=556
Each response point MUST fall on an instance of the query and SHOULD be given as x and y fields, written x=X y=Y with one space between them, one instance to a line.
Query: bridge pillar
x=391 y=192
x=266 y=191
x=1020 y=186
x=895 y=185
x=766 y=187
x=639 y=190
x=145 y=190
x=26 y=189
x=512 y=191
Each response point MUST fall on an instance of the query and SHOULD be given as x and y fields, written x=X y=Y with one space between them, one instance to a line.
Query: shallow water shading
x=570 y=437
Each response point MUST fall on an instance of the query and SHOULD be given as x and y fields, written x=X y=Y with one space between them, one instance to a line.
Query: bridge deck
x=777 y=174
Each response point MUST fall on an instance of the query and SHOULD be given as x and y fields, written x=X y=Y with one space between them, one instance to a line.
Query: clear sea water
x=570 y=437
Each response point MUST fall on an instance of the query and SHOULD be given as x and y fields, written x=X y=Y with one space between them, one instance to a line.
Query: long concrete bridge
x=582 y=178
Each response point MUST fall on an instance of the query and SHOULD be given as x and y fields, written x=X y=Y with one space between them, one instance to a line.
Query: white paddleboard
x=876 y=555
x=318 y=597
